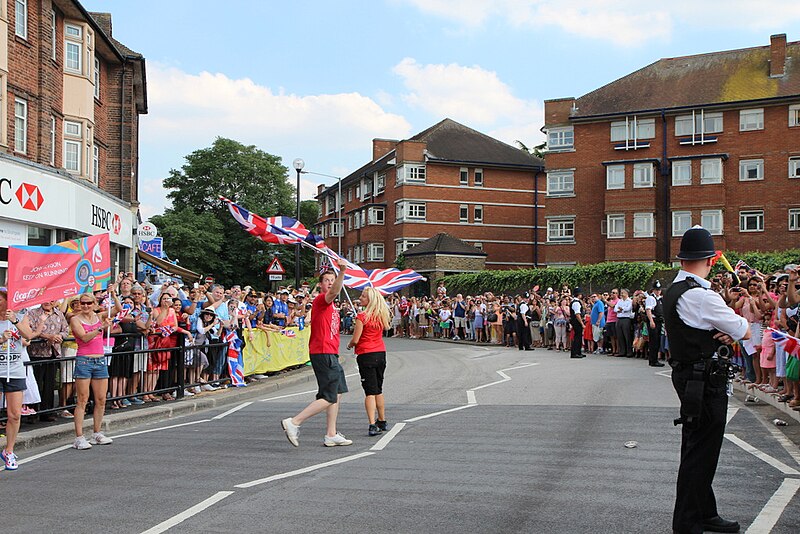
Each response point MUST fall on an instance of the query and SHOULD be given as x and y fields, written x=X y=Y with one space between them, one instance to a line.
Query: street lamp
x=298 y=165
x=339 y=221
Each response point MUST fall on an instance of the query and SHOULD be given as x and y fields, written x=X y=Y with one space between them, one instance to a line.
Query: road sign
x=147 y=231
x=275 y=267
x=154 y=247
x=209 y=279
x=275 y=277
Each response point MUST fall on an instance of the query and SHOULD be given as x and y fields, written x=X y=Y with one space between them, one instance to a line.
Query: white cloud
x=187 y=111
x=622 y=22
x=472 y=95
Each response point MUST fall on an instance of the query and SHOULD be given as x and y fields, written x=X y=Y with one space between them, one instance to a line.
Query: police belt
x=692 y=399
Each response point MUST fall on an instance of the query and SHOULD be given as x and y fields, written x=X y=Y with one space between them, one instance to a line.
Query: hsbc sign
x=37 y=197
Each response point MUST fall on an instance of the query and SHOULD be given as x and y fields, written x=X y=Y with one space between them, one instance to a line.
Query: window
x=3 y=106
x=632 y=129
x=477 y=214
x=329 y=204
x=358 y=191
x=681 y=221
x=463 y=213
x=794 y=219
x=367 y=189
x=643 y=225
x=560 y=184
x=20 y=125
x=560 y=138
x=411 y=172
x=711 y=171
x=794 y=115
x=643 y=175
x=681 y=173
x=615 y=226
x=405 y=244
x=380 y=184
x=349 y=194
x=698 y=124
x=336 y=229
x=75 y=32
x=72 y=156
x=615 y=177
x=405 y=211
x=96 y=78
x=376 y=215
x=350 y=222
x=72 y=129
x=751 y=169
x=478 y=177
x=21 y=18
x=794 y=167
x=751 y=119
x=52 y=140
x=751 y=221
x=375 y=252
x=561 y=230
x=463 y=177
x=321 y=231
x=72 y=53
x=357 y=220
x=478 y=245
x=95 y=164
x=711 y=220
x=53 y=35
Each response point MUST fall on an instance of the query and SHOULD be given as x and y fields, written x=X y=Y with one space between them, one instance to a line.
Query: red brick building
x=70 y=100
x=711 y=139
x=448 y=178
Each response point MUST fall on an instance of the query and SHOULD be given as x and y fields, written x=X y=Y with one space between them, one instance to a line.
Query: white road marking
x=160 y=428
x=665 y=373
x=506 y=379
x=289 y=395
x=183 y=516
x=471 y=397
x=232 y=410
x=304 y=470
x=434 y=414
x=43 y=454
x=731 y=412
x=772 y=511
x=389 y=436
x=777 y=464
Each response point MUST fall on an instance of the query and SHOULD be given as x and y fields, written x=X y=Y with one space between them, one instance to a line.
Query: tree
x=250 y=177
x=538 y=151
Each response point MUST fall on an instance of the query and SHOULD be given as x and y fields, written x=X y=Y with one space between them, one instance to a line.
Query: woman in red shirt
x=371 y=354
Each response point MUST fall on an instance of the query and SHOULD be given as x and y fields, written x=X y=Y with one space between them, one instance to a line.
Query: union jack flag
x=288 y=333
x=741 y=264
x=165 y=330
x=788 y=343
x=235 y=362
x=126 y=310
x=388 y=281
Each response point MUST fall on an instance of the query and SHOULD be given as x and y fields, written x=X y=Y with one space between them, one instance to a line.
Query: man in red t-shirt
x=323 y=348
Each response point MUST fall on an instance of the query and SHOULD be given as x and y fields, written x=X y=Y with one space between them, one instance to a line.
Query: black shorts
x=371 y=366
x=330 y=376
x=11 y=385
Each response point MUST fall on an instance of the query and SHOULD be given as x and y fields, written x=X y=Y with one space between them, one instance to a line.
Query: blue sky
x=320 y=79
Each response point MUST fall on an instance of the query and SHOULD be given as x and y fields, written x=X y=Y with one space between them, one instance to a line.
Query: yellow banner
x=270 y=352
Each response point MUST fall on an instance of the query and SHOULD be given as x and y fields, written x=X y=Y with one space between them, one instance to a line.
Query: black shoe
x=374 y=430
x=382 y=425
x=717 y=524
x=657 y=364
x=578 y=356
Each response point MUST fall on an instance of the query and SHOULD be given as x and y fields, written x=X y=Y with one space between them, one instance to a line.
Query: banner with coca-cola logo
x=42 y=274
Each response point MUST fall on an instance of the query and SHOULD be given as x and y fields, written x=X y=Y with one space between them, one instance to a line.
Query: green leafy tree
x=252 y=178
x=538 y=150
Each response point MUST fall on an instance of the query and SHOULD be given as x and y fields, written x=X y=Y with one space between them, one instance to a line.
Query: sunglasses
x=86 y=303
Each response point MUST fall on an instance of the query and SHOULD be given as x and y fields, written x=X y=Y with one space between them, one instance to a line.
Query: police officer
x=655 y=318
x=698 y=322
x=576 y=318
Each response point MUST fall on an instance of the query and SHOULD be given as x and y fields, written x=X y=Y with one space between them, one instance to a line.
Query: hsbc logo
x=28 y=195
x=106 y=220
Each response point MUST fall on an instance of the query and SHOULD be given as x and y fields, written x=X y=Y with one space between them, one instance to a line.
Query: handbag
x=793 y=368
x=492 y=317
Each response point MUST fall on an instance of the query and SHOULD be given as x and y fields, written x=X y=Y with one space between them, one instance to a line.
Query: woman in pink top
x=611 y=321
x=91 y=368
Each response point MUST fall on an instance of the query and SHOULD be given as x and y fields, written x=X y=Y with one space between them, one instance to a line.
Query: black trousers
x=700 y=446
x=523 y=336
x=654 y=342
x=45 y=375
x=577 y=337
x=624 y=336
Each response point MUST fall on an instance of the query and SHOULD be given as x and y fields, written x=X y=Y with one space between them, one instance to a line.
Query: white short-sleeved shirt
x=706 y=310
x=576 y=307
x=650 y=302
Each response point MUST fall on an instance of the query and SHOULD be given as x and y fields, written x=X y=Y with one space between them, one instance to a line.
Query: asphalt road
x=485 y=440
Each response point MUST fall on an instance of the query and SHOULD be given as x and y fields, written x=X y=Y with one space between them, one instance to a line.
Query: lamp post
x=338 y=206
x=298 y=165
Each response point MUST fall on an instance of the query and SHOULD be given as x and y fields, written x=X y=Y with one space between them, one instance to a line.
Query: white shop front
x=40 y=207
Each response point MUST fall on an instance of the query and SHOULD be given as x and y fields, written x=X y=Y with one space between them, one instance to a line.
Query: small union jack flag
x=235 y=361
x=165 y=330
x=788 y=343
x=288 y=333
x=126 y=310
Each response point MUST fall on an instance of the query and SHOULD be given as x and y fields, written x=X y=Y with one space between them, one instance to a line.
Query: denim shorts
x=11 y=385
x=86 y=367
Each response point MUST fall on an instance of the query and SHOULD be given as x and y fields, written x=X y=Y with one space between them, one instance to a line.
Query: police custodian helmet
x=696 y=244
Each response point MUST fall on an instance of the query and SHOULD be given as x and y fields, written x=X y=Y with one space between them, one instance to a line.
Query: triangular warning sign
x=275 y=267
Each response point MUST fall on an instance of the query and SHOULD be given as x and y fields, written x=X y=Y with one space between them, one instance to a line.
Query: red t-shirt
x=371 y=339
x=324 y=337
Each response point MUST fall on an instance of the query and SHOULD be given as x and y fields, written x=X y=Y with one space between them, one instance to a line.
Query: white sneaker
x=99 y=439
x=292 y=431
x=259 y=377
x=197 y=390
x=187 y=393
x=209 y=387
x=456 y=338
x=338 y=439
x=81 y=444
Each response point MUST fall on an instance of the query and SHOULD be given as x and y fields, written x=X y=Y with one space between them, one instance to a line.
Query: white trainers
x=81 y=444
x=292 y=431
x=259 y=377
x=99 y=439
x=188 y=393
x=197 y=390
x=337 y=440
x=209 y=387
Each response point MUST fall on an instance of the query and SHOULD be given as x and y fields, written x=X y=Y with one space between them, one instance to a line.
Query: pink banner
x=42 y=274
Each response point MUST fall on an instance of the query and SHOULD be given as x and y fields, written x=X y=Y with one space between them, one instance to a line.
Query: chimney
x=777 y=55
x=381 y=147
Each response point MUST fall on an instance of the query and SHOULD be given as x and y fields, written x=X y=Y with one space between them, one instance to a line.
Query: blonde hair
x=376 y=309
